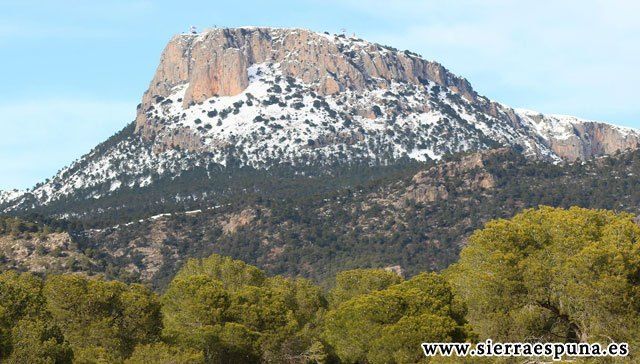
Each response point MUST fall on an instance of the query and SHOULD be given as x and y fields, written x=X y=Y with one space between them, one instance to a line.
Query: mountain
x=572 y=138
x=257 y=98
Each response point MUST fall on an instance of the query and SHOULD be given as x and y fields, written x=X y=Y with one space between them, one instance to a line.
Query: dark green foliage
x=550 y=274
x=220 y=310
x=162 y=353
x=568 y=275
x=352 y=283
x=19 y=227
x=234 y=313
x=38 y=340
x=71 y=317
x=28 y=334
x=386 y=325
x=103 y=321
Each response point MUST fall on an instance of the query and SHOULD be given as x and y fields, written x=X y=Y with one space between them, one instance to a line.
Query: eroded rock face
x=236 y=221
x=429 y=185
x=221 y=73
x=593 y=139
x=216 y=62
x=576 y=139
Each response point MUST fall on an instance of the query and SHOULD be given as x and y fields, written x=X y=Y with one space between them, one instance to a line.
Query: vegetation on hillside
x=553 y=275
x=317 y=225
x=219 y=310
x=306 y=231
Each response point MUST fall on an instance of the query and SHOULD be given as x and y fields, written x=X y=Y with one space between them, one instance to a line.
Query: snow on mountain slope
x=267 y=96
x=9 y=195
x=277 y=119
x=362 y=91
x=124 y=160
x=574 y=138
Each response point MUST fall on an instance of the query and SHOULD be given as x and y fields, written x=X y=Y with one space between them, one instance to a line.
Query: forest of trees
x=548 y=274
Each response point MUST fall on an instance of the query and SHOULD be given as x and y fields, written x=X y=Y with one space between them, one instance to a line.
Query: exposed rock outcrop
x=217 y=62
x=429 y=185
x=593 y=139
x=236 y=221
x=572 y=138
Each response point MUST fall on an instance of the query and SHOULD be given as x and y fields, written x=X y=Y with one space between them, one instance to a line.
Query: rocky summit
x=263 y=97
x=224 y=86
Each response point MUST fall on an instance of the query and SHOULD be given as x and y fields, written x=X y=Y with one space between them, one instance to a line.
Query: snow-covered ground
x=10 y=195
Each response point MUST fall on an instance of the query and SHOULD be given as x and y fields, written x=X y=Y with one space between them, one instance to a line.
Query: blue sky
x=72 y=72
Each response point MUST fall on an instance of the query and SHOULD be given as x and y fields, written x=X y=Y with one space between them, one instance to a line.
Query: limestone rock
x=576 y=139
x=429 y=185
x=47 y=253
x=236 y=221
x=215 y=62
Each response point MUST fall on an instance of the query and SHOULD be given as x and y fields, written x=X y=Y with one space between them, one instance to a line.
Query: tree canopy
x=553 y=275
x=387 y=324
x=234 y=313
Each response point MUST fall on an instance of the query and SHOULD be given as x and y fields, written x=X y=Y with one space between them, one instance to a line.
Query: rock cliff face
x=216 y=63
x=573 y=138
x=429 y=185
x=593 y=139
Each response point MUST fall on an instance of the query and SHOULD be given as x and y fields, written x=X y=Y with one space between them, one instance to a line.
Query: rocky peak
x=216 y=62
x=350 y=79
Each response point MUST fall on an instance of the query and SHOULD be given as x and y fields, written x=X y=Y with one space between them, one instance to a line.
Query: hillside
x=412 y=219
